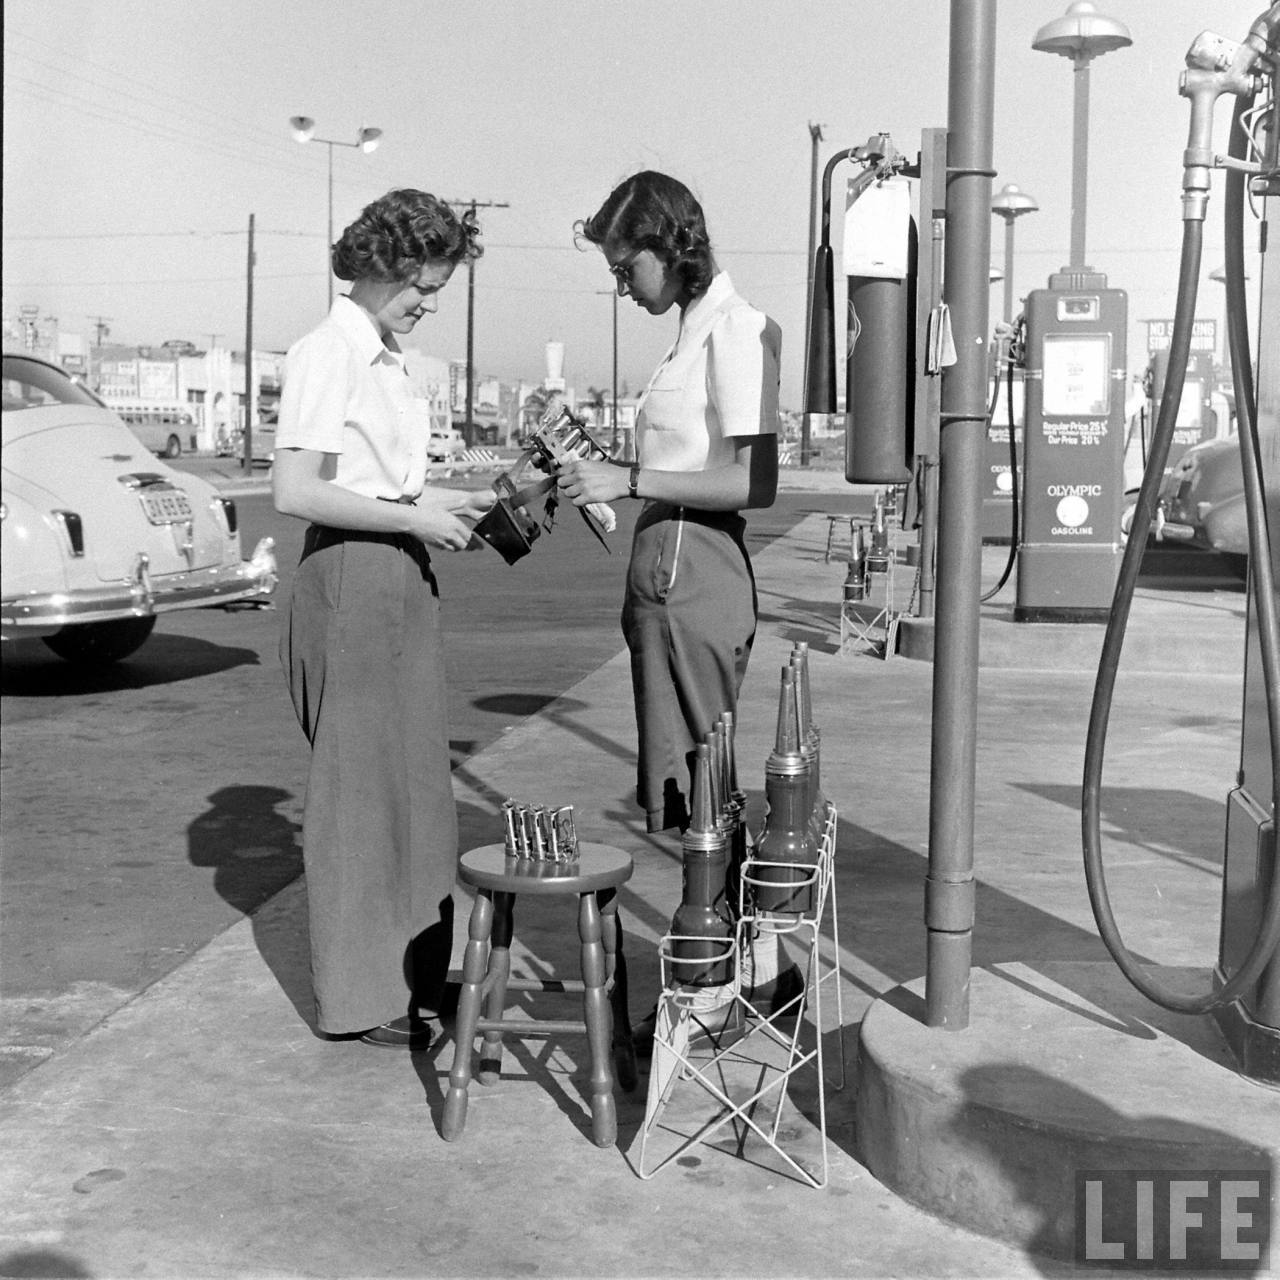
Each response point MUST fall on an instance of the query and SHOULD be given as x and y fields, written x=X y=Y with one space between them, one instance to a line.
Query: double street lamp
x=303 y=129
x=1081 y=34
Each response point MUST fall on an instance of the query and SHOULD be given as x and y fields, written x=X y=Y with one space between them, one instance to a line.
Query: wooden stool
x=486 y=969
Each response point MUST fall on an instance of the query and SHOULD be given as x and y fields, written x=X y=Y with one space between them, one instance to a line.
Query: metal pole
x=328 y=247
x=472 y=206
x=471 y=325
x=949 y=890
x=1079 y=157
x=815 y=135
x=246 y=463
x=1009 y=270
x=615 y=372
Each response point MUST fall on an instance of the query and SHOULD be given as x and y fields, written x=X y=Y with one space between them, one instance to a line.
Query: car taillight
x=229 y=515
x=73 y=527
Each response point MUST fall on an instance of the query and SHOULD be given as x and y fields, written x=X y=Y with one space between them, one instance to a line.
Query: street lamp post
x=1219 y=276
x=1010 y=203
x=1081 y=34
x=303 y=129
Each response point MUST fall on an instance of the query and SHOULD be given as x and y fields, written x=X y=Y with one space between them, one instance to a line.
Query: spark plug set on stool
x=539 y=833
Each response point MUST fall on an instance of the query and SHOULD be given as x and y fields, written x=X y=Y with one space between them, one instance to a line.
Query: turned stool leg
x=615 y=981
x=473 y=971
x=496 y=982
x=604 y=1115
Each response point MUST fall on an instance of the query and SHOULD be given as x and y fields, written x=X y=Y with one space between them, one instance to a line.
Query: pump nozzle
x=1216 y=66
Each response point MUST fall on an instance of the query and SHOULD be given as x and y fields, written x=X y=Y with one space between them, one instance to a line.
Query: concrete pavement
x=204 y=1130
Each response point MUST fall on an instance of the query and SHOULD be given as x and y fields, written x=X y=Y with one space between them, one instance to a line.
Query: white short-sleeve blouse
x=347 y=393
x=719 y=381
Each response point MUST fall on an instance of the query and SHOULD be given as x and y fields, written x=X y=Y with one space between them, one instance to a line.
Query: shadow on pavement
x=31 y=670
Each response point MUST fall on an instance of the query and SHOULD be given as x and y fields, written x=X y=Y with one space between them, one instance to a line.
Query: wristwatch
x=633 y=479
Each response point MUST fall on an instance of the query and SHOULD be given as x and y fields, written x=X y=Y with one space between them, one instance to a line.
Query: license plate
x=166 y=506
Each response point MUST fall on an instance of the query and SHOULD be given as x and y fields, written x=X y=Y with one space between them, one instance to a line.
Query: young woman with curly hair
x=361 y=639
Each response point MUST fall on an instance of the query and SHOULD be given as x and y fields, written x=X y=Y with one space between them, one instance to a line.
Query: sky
x=139 y=136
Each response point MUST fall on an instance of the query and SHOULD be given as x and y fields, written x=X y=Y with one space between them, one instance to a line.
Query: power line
x=142 y=235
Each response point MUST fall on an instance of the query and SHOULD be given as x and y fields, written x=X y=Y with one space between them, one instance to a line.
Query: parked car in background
x=443 y=446
x=1201 y=503
x=98 y=537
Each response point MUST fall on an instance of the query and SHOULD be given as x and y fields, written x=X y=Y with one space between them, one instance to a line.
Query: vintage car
x=97 y=536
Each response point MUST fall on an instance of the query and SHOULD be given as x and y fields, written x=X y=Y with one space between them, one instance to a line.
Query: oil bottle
x=701 y=927
x=787 y=834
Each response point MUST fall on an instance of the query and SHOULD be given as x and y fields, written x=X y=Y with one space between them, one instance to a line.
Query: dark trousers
x=689 y=622
x=362 y=651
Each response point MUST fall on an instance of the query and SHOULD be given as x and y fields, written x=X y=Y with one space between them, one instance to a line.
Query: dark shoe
x=778 y=994
x=400 y=1033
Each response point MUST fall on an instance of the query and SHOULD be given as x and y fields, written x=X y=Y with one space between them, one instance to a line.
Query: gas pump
x=1002 y=454
x=1197 y=420
x=1245 y=998
x=1073 y=454
x=880 y=266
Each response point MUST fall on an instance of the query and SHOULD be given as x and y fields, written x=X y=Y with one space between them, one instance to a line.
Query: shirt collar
x=700 y=310
x=355 y=323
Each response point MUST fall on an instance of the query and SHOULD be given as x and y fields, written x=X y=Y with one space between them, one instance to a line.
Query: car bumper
x=141 y=596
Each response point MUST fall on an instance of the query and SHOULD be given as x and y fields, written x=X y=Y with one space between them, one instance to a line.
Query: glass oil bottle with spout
x=810 y=742
x=701 y=927
x=735 y=811
x=787 y=835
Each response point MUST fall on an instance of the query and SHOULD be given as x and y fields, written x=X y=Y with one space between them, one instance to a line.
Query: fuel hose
x=1263 y=588
x=1013 y=473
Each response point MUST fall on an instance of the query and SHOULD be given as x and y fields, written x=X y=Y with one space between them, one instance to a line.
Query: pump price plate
x=166 y=506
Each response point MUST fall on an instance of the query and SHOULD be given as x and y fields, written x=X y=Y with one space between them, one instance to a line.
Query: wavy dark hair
x=653 y=211
x=395 y=235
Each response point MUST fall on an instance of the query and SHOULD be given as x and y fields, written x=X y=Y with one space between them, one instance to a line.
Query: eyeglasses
x=621 y=271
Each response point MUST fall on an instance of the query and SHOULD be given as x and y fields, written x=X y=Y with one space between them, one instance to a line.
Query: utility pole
x=213 y=339
x=470 y=216
x=101 y=326
x=250 y=382
x=815 y=136
x=614 y=294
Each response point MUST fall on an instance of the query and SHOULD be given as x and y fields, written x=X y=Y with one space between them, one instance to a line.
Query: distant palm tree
x=534 y=406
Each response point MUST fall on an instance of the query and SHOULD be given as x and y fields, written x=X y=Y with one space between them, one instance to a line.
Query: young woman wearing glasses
x=706 y=444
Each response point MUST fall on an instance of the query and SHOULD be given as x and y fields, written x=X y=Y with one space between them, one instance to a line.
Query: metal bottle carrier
x=746 y=1061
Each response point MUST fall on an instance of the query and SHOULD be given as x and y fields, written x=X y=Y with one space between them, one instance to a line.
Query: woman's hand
x=584 y=481
x=439 y=520
x=440 y=529
x=471 y=504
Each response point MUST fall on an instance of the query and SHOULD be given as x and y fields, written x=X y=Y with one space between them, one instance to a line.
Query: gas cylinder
x=787 y=834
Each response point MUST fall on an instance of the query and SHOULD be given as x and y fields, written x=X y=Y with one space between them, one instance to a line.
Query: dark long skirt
x=689 y=622
x=362 y=650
